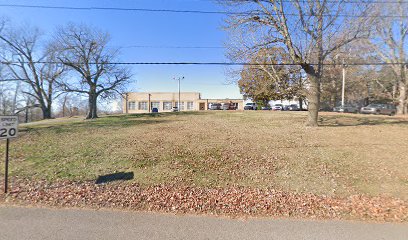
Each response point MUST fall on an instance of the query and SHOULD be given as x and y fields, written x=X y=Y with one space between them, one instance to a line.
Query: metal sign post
x=6 y=167
x=8 y=129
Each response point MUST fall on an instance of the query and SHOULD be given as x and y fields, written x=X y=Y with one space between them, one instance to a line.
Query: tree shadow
x=78 y=126
x=358 y=120
x=111 y=121
x=155 y=115
x=120 y=176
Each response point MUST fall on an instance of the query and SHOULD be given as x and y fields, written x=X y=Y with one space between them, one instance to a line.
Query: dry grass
x=348 y=154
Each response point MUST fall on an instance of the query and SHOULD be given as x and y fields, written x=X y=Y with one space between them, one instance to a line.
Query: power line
x=221 y=63
x=175 y=47
x=352 y=1
x=117 y=9
x=328 y=1
x=186 y=47
x=179 y=11
x=331 y=1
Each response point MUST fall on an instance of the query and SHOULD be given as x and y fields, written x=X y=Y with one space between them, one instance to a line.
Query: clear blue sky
x=129 y=28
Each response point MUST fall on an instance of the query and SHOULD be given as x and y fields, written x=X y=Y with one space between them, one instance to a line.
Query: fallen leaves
x=231 y=201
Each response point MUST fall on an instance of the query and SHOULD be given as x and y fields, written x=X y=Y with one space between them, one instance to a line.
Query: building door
x=202 y=106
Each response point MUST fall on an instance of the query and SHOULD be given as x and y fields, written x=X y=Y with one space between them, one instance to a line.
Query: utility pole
x=150 y=104
x=179 y=93
x=127 y=102
x=343 y=84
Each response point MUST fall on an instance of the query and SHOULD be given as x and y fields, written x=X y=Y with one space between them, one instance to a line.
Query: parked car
x=386 y=109
x=347 y=108
x=251 y=106
x=229 y=106
x=266 y=108
x=226 y=106
x=216 y=106
x=293 y=107
x=277 y=107
x=174 y=109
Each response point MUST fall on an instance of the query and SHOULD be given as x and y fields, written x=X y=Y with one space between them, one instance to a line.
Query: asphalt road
x=40 y=223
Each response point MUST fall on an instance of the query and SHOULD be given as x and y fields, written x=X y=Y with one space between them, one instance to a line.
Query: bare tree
x=67 y=105
x=309 y=30
x=24 y=53
x=8 y=99
x=85 y=51
x=65 y=109
x=29 y=105
x=389 y=42
x=8 y=89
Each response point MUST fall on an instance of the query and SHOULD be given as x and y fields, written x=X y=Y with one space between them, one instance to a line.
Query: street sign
x=8 y=127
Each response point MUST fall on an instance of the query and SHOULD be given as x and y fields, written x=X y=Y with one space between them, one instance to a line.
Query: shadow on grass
x=112 y=121
x=162 y=114
x=120 y=176
x=93 y=125
x=357 y=120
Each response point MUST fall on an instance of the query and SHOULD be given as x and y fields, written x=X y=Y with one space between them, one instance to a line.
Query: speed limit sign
x=8 y=127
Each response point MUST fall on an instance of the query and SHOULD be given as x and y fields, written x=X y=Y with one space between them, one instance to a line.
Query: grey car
x=347 y=108
x=216 y=106
x=386 y=109
x=291 y=107
x=251 y=106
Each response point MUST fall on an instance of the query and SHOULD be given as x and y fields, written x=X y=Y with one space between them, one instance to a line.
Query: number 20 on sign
x=8 y=129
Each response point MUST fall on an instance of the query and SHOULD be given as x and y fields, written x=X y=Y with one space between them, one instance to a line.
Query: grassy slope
x=349 y=154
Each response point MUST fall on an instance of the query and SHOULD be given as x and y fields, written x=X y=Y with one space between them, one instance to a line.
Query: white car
x=251 y=106
x=277 y=107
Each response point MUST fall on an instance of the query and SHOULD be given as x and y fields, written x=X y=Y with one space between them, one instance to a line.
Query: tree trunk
x=26 y=115
x=92 y=106
x=46 y=112
x=64 y=103
x=313 y=97
x=402 y=99
x=14 y=104
x=300 y=103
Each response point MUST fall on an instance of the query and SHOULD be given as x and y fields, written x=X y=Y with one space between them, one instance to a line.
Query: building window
x=155 y=105
x=132 y=105
x=167 y=106
x=142 y=105
x=181 y=105
x=190 y=105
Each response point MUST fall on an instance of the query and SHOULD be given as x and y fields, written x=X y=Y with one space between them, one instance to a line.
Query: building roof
x=162 y=92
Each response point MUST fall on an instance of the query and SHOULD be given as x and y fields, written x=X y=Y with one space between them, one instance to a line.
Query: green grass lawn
x=348 y=154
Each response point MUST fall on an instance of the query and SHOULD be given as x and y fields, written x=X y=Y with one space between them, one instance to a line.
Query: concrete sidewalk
x=41 y=223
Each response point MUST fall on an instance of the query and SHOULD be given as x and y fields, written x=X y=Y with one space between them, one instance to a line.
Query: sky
x=131 y=28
